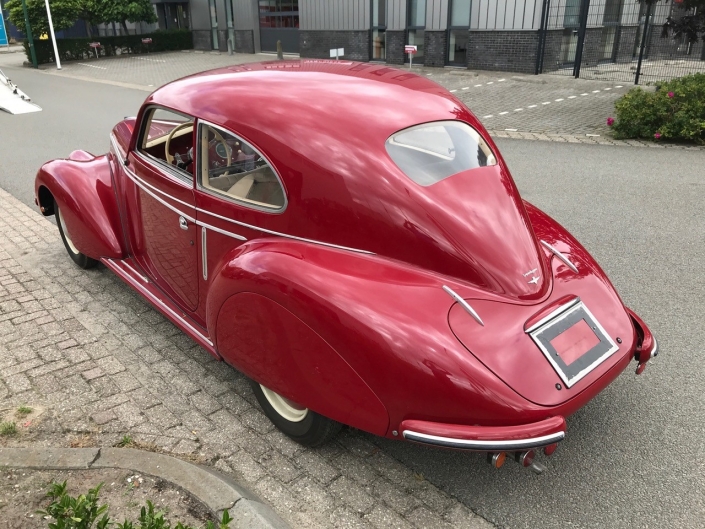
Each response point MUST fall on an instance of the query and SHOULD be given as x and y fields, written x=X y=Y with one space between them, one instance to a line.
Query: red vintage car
x=349 y=237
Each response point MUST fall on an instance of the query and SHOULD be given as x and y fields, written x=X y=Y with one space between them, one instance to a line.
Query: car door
x=236 y=188
x=161 y=207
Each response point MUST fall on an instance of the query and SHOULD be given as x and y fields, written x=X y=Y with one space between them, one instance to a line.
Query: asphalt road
x=635 y=456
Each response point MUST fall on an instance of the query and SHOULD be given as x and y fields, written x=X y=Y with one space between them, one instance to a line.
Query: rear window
x=430 y=152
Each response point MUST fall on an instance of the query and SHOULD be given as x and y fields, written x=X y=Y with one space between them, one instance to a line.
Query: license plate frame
x=583 y=365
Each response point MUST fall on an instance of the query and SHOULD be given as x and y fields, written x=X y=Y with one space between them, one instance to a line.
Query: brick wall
x=223 y=40
x=552 y=51
x=509 y=51
x=592 y=52
x=244 y=41
x=201 y=39
x=625 y=43
x=317 y=44
x=395 y=47
x=435 y=48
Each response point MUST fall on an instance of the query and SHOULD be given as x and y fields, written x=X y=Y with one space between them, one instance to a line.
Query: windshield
x=430 y=152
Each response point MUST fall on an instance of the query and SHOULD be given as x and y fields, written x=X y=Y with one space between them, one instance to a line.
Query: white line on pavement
x=511 y=130
x=501 y=80
x=561 y=99
x=491 y=82
x=518 y=109
x=487 y=117
x=607 y=89
x=146 y=59
x=466 y=88
x=618 y=86
x=572 y=97
x=532 y=106
x=583 y=94
x=595 y=91
x=503 y=113
x=453 y=91
x=91 y=66
x=477 y=85
x=546 y=103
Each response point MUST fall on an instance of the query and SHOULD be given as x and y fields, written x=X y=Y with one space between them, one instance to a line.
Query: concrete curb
x=216 y=491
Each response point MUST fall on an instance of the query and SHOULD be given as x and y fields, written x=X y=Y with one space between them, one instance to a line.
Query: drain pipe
x=231 y=46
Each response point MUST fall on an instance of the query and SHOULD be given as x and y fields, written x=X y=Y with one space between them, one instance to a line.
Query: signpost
x=337 y=52
x=95 y=46
x=411 y=50
x=30 y=40
x=3 y=31
x=53 y=37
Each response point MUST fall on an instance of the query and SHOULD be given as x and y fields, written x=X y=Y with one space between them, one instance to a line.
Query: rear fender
x=83 y=188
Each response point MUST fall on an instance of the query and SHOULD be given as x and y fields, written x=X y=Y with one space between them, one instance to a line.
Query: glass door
x=416 y=24
x=458 y=33
x=379 y=28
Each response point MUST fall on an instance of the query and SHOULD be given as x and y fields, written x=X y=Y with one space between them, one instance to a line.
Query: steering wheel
x=228 y=150
x=169 y=157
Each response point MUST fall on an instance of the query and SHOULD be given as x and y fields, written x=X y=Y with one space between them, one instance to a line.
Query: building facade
x=509 y=35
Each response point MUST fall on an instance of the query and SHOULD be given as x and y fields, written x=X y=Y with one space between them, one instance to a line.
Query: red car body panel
x=337 y=301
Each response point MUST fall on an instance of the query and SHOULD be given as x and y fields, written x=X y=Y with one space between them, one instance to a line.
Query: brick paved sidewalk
x=103 y=364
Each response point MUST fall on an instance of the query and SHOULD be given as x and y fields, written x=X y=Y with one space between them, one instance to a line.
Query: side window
x=231 y=167
x=168 y=137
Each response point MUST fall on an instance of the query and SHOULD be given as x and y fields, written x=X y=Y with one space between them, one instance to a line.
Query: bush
x=675 y=111
x=75 y=49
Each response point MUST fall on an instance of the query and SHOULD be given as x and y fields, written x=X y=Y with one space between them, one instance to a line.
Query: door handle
x=183 y=223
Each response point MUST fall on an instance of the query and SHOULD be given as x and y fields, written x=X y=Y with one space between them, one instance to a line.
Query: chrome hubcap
x=287 y=409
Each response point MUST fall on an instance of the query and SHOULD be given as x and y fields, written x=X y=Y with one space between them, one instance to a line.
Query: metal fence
x=617 y=40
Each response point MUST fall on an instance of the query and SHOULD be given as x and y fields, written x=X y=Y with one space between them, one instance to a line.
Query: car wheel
x=301 y=424
x=79 y=258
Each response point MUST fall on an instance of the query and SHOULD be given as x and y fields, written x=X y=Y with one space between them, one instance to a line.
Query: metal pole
x=644 y=35
x=53 y=37
x=30 y=39
x=584 y=10
x=542 y=37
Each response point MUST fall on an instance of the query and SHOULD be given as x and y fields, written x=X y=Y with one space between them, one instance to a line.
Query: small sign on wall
x=337 y=52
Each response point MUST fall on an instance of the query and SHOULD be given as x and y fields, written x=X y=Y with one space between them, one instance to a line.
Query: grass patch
x=8 y=428
x=23 y=411
x=125 y=441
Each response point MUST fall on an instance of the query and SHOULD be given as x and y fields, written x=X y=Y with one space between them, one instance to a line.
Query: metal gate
x=616 y=40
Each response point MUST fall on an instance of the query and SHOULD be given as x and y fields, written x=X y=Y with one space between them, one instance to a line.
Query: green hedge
x=73 y=49
x=675 y=111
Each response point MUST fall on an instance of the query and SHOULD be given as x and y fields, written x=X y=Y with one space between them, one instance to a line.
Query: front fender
x=83 y=188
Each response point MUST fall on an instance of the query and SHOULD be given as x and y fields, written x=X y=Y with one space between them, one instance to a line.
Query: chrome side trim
x=560 y=310
x=144 y=186
x=449 y=442
x=464 y=304
x=204 y=253
x=560 y=256
x=134 y=271
x=286 y=236
x=222 y=232
x=154 y=299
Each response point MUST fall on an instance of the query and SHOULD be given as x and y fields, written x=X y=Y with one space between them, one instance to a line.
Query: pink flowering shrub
x=675 y=111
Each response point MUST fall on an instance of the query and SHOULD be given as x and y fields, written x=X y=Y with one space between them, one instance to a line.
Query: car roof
x=282 y=99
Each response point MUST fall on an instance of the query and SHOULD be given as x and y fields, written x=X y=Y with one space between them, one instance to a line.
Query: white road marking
x=466 y=88
x=583 y=94
x=488 y=116
x=572 y=97
x=546 y=103
x=146 y=59
x=532 y=106
x=518 y=109
x=501 y=80
x=561 y=99
x=91 y=66
x=511 y=130
x=607 y=89
x=491 y=82
x=595 y=91
x=503 y=113
x=477 y=85
x=453 y=91
x=593 y=135
x=618 y=86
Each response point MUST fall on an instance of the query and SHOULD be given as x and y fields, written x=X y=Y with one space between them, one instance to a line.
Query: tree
x=92 y=13
x=124 y=11
x=63 y=14
x=689 y=21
